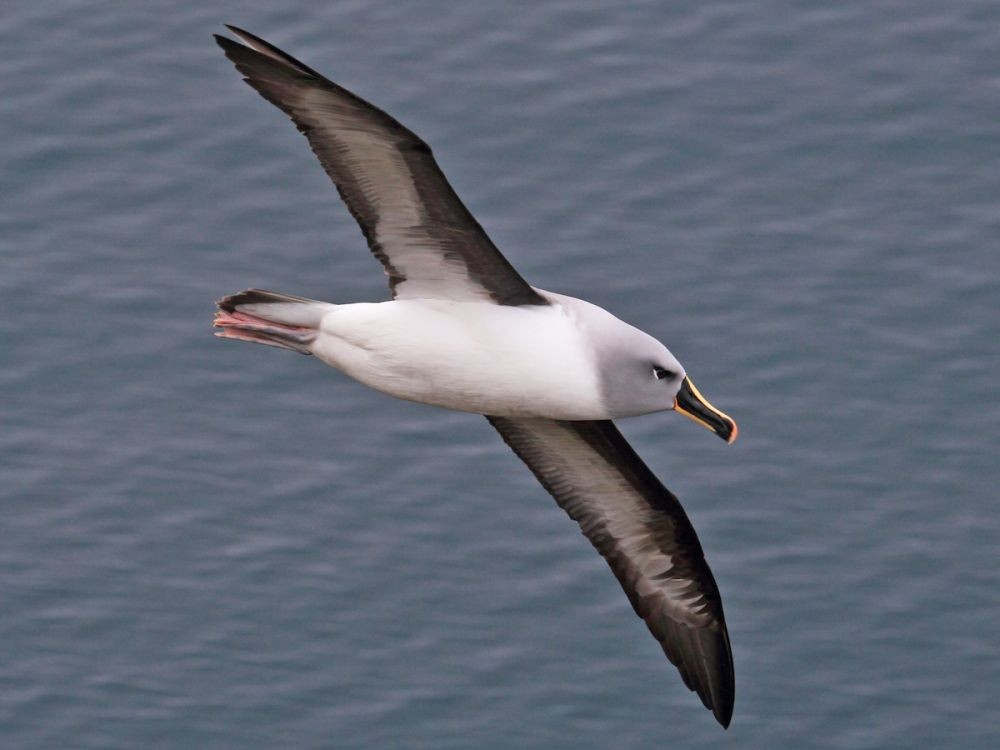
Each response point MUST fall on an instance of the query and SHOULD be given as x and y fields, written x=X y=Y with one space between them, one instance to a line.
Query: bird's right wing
x=639 y=527
x=415 y=224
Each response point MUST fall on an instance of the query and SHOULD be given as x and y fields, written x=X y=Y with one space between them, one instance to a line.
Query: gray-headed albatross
x=464 y=331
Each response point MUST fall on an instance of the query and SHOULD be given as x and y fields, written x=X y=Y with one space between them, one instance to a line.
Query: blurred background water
x=224 y=546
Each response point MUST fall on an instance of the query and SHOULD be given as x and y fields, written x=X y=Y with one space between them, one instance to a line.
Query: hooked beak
x=691 y=403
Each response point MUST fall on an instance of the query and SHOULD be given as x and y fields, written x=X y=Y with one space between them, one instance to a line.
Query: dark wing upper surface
x=415 y=224
x=641 y=530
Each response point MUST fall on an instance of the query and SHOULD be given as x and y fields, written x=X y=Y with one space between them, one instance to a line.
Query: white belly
x=469 y=356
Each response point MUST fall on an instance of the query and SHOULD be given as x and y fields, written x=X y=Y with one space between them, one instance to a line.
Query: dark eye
x=663 y=374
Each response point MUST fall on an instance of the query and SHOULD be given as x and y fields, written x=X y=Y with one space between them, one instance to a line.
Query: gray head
x=639 y=375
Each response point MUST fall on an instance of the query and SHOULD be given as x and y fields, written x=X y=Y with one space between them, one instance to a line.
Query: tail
x=270 y=318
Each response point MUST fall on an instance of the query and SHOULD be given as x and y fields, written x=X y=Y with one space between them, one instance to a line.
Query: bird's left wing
x=639 y=527
x=415 y=224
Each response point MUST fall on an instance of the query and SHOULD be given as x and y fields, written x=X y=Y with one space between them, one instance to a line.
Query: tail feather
x=259 y=297
x=271 y=318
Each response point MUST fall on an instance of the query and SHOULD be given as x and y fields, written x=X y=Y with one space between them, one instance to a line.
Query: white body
x=470 y=356
x=536 y=361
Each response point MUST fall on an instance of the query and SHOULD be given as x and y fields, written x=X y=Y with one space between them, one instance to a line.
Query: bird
x=463 y=330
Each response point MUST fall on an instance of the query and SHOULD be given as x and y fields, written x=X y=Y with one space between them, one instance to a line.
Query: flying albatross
x=464 y=331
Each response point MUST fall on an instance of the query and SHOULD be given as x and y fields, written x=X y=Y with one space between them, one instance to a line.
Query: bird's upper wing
x=639 y=527
x=415 y=224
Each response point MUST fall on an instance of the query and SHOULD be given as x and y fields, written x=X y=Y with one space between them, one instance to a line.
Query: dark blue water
x=223 y=546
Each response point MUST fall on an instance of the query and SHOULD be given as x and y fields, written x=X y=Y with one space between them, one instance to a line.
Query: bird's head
x=642 y=376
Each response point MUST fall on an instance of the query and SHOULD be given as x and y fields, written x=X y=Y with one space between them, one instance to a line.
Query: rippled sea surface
x=223 y=546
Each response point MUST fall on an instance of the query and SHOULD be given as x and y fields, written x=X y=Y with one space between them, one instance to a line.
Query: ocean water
x=223 y=546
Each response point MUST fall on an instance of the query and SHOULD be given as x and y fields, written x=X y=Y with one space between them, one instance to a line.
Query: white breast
x=530 y=361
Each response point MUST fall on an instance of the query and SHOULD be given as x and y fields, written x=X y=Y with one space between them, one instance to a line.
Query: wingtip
x=721 y=702
x=705 y=662
x=229 y=46
x=722 y=696
x=241 y=33
x=244 y=39
x=254 y=43
x=723 y=714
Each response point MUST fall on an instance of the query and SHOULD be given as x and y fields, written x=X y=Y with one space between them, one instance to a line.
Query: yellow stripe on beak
x=693 y=405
